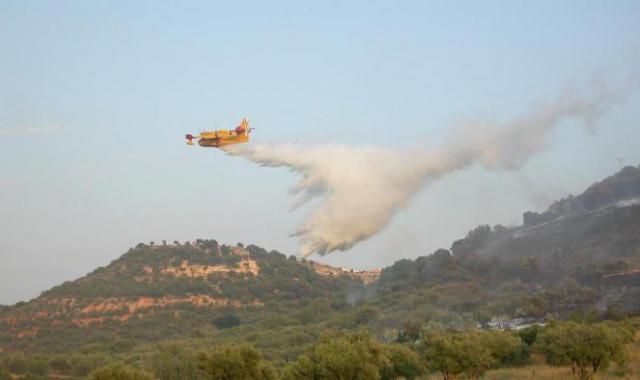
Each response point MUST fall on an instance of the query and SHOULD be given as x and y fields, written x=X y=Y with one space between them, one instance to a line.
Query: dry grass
x=535 y=371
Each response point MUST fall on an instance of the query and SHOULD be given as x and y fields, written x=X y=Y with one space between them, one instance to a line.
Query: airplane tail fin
x=245 y=124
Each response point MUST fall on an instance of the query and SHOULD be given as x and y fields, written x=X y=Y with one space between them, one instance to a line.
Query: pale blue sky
x=96 y=96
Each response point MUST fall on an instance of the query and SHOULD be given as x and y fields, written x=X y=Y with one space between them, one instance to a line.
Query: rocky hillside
x=162 y=291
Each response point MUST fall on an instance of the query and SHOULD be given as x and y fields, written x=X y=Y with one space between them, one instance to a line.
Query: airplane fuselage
x=216 y=142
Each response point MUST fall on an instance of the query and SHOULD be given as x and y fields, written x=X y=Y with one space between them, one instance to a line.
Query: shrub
x=119 y=372
x=59 y=364
x=354 y=356
x=242 y=362
x=471 y=353
x=588 y=348
x=4 y=375
x=226 y=321
x=403 y=363
x=173 y=362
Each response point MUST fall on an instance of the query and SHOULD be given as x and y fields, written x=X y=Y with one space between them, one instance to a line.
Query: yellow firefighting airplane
x=216 y=139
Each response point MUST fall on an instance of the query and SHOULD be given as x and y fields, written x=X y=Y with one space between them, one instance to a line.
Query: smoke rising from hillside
x=360 y=188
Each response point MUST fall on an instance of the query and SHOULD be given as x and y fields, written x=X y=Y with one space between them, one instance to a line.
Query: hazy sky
x=96 y=96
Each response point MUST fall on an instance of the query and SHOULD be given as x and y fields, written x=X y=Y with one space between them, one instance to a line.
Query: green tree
x=119 y=372
x=82 y=365
x=121 y=345
x=4 y=374
x=471 y=353
x=37 y=365
x=403 y=363
x=173 y=362
x=348 y=357
x=454 y=353
x=235 y=362
x=588 y=348
x=366 y=315
x=410 y=332
x=17 y=364
x=59 y=364
x=503 y=346
x=529 y=335
x=226 y=321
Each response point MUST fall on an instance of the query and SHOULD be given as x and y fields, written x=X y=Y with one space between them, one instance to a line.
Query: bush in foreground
x=471 y=353
x=241 y=362
x=119 y=372
x=587 y=348
x=355 y=357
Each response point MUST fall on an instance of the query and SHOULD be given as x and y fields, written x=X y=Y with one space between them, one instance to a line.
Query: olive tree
x=345 y=357
x=174 y=362
x=587 y=348
x=235 y=362
x=471 y=353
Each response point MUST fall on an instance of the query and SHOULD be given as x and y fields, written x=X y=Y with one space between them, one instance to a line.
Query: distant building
x=515 y=323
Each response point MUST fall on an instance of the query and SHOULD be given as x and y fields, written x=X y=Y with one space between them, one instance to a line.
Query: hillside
x=580 y=257
x=162 y=291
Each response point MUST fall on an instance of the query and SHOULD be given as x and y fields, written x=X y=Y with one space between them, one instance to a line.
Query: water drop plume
x=360 y=188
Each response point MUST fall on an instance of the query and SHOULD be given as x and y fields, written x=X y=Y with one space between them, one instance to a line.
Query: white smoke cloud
x=360 y=188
